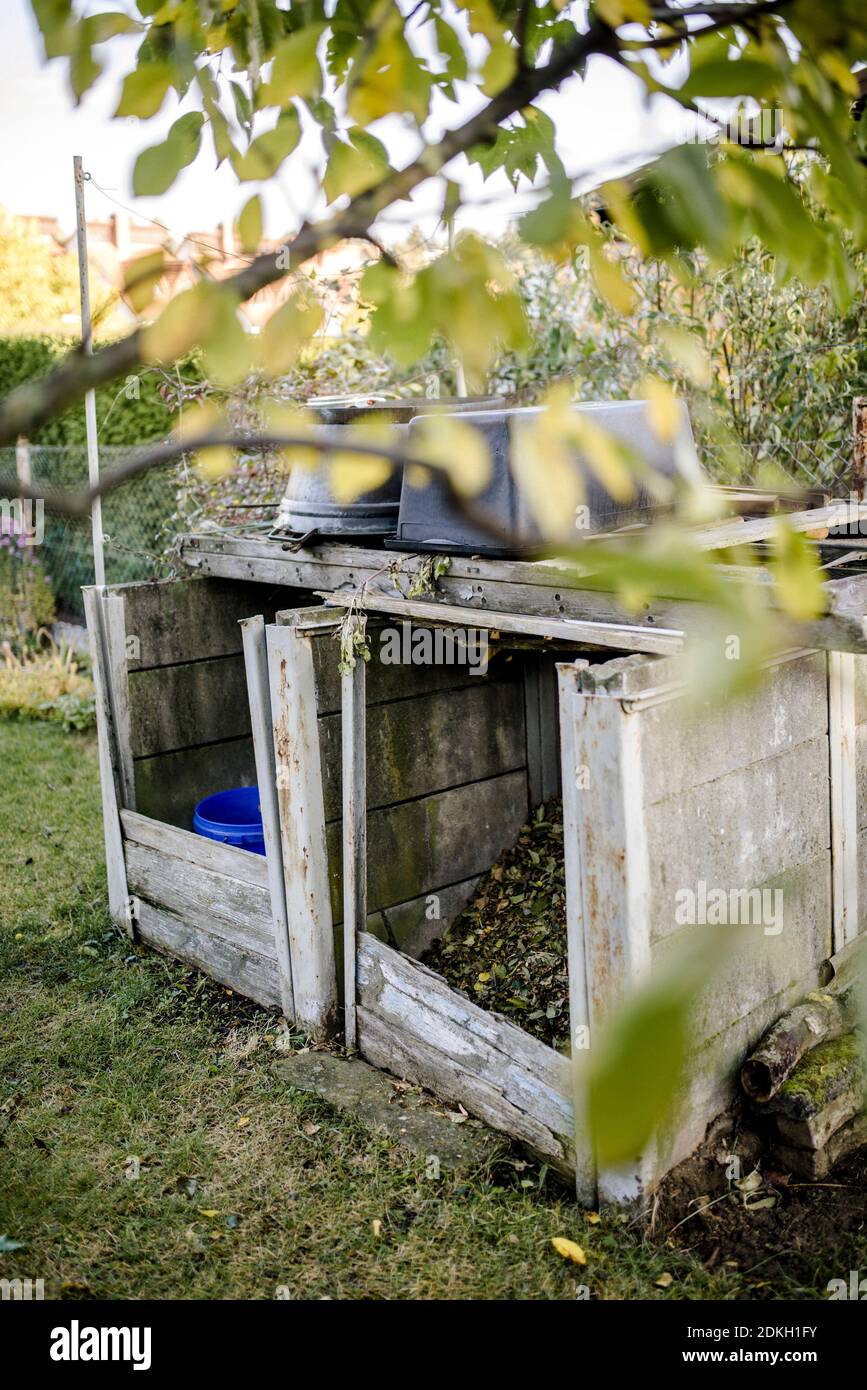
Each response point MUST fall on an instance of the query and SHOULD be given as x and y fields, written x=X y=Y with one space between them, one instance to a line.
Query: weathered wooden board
x=197 y=849
x=169 y=785
x=184 y=620
x=388 y=683
x=686 y=745
x=541 y=588
x=354 y=777
x=843 y=787
x=414 y=1025
x=427 y=744
x=711 y=1080
x=621 y=636
x=262 y=725
x=414 y=925
x=452 y=835
x=222 y=906
x=759 y=960
x=243 y=970
x=182 y=706
x=302 y=829
x=740 y=830
x=110 y=761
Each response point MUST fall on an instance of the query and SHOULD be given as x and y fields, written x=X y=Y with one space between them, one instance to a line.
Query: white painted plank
x=219 y=905
x=842 y=736
x=109 y=773
x=197 y=849
x=621 y=636
x=302 y=829
x=242 y=970
x=413 y=1023
x=574 y=779
x=261 y=722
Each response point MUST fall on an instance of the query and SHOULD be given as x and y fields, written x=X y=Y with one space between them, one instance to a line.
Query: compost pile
x=507 y=950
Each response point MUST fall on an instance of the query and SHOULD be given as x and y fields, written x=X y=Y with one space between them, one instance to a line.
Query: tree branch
x=31 y=404
x=34 y=402
x=77 y=502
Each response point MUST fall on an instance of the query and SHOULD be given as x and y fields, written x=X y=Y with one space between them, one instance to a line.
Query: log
x=823 y=1092
x=819 y=1018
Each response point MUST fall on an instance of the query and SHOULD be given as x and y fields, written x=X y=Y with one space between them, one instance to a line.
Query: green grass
x=110 y=1053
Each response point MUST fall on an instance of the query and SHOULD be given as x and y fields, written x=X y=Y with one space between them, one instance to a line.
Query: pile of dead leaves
x=507 y=950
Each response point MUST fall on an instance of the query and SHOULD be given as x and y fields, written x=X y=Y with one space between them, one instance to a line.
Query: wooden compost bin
x=394 y=784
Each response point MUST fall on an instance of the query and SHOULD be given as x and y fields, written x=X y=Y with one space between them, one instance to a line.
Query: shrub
x=46 y=684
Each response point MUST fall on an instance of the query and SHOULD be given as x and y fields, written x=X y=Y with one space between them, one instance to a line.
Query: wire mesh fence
x=137 y=523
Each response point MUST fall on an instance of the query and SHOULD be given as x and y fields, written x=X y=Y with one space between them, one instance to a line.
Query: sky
x=602 y=125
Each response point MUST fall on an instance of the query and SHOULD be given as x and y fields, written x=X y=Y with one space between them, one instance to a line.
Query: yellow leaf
x=352 y=474
x=616 y=12
x=545 y=469
x=215 y=463
x=499 y=67
x=178 y=326
x=140 y=279
x=210 y=1212
x=457 y=448
x=689 y=353
x=243 y=1120
x=611 y=282
x=250 y=224
x=291 y=420
x=286 y=332
x=569 y=1249
x=376 y=1226
x=592 y=1218
x=664 y=1281
x=200 y=419
x=663 y=408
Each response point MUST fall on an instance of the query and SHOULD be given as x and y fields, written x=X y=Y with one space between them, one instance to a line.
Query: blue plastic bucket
x=233 y=818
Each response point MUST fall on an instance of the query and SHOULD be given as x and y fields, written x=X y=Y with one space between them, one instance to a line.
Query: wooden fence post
x=302 y=828
x=259 y=695
x=109 y=760
x=607 y=879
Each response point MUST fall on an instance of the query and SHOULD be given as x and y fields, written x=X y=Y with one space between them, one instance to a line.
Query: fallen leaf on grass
x=592 y=1218
x=242 y=1120
x=210 y=1212
x=664 y=1281
x=376 y=1227
x=310 y=1129
x=569 y=1249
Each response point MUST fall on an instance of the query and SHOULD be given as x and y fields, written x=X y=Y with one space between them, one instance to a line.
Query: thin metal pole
x=90 y=398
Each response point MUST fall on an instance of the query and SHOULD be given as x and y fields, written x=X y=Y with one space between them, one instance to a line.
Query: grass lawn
x=115 y=1061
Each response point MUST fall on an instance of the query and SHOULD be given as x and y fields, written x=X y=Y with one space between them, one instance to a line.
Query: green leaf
x=637 y=1064
x=268 y=151
x=355 y=166
x=286 y=332
x=724 y=77
x=157 y=168
x=250 y=224
x=296 y=71
x=144 y=90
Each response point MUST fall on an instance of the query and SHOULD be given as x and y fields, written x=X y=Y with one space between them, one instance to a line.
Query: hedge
x=122 y=422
